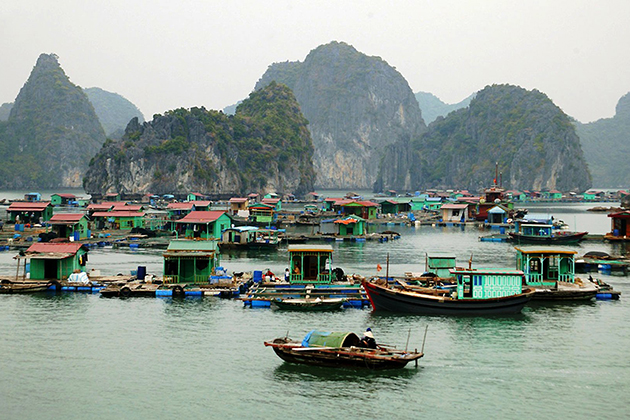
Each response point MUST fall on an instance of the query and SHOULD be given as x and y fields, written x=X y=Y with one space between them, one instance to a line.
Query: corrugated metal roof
x=66 y=217
x=454 y=206
x=180 y=206
x=238 y=200
x=66 y=195
x=115 y=213
x=27 y=206
x=314 y=248
x=102 y=206
x=188 y=245
x=58 y=248
x=202 y=216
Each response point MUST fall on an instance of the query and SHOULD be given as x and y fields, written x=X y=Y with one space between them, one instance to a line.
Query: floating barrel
x=142 y=272
x=194 y=293
x=163 y=293
x=257 y=276
x=260 y=304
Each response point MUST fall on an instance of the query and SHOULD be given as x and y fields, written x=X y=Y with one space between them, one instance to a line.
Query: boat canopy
x=330 y=339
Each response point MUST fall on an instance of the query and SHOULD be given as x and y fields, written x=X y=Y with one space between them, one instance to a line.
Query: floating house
x=455 y=212
x=204 y=224
x=118 y=219
x=178 y=210
x=30 y=212
x=98 y=207
x=620 y=226
x=351 y=226
x=275 y=202
x=111 y=197
x=62 y=199
x=70 y=225
x=498 y=214
x=545 y=267
x=363 y=209
x=238 y=206
x=195 y=197
x=249 y=237
x=553 y=195
x=262 y=214
x=32 y=197
x=190 y=261
x=310 y=264
x=395 y=206
x=55 y=261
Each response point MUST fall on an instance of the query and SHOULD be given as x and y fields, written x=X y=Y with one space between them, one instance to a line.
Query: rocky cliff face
x=356 y=105
x=113 y=111
x=606 y=145
x=265 y=147
x=532 y=140
x=51 y=133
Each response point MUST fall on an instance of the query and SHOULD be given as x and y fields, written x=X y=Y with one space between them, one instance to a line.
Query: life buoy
x=509 y=220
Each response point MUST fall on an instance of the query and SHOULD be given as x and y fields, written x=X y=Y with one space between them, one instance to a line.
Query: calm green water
x=76 y=356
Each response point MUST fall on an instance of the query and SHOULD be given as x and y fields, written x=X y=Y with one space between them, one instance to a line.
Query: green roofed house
x=70 y=225
x=310 y=264
x=204 y=224
x=188 y=261
x=25 y=212
x=55 y=261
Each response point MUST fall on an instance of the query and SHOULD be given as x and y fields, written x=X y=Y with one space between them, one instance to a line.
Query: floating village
x=52 y=239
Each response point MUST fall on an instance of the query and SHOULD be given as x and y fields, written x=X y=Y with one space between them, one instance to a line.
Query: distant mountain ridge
x=532 y=140
x=606 y=145
x=51 y=133
x=433 y=107
x=265 y=147
x=355 y=104
x=113 y=111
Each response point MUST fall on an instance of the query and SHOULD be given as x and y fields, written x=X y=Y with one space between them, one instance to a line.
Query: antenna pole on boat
x=424 y=339
x=426 y=262
x=408 y=335
x=387 y=269
x=470 y=261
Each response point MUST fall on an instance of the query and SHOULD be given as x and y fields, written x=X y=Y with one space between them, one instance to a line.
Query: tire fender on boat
x=125 y=291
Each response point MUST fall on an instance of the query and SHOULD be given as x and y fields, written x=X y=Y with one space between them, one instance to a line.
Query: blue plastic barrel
x=261 y=304
x=77 y=236
x=616 y=232
x=502 y=230
x=257 y=276
x=193 y=293
x=142 y=272
x=163 y=293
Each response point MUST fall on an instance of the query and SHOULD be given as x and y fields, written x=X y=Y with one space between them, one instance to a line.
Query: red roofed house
x=56 y=261
x=25 y=212
x=67 y=225
x=204 y=224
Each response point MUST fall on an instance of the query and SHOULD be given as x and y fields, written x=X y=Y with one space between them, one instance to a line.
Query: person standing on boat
x=287 y=275
x=368 y=339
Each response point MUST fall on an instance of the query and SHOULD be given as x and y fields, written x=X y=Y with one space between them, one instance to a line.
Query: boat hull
x=351 y=357
x=557 y=238
x=308 y=305
x=385 y=299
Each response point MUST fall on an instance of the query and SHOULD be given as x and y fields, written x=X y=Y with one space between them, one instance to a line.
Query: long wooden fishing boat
x=340 y=349
x=553 y=238
x=391 y=298
x=309 y=304
x=11 y=287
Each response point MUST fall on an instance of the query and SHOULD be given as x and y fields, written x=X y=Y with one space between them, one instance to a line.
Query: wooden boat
x=340 y=349
x=309 y=304
x=606 y=291
x=551 y=273
x=543 y=232
x=10 y=287
x=554 y=237
x=478 y=292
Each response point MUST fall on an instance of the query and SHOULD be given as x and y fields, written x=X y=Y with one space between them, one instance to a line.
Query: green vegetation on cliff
x=532 y=140
x=51 y=133
x=266 y=146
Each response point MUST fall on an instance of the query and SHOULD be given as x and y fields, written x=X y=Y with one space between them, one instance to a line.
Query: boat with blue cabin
x=484 y=291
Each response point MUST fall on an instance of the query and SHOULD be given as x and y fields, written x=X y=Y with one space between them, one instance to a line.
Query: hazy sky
x=168 y=54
